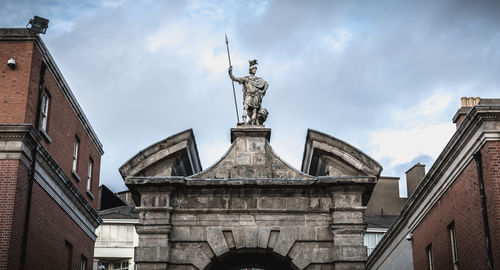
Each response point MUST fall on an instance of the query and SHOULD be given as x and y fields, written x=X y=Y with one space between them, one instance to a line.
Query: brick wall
x=491 y=177
x=14 y=84
x=33 y=88
x=50 y=228
x=8 y=174
x=19 y=101
x=17 y=229
x=461 y=204
x=63 y=125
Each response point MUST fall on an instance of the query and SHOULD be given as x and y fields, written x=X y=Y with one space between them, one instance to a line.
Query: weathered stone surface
x=181 y=267
x=216 y=240
x=349 y=217
x=286 y=239
x=250 y=201
x=328 y=266
x=151 y=266
x=189 y=253
x=263 y=237
x=251 y=156
x=162 y=157
x=305 y=253
x=341 y=159
x=349 y=253
x=346 y=199
x=151 y=254
x=349 y=266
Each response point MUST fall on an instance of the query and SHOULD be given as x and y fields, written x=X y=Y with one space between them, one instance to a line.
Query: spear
x=234 y=92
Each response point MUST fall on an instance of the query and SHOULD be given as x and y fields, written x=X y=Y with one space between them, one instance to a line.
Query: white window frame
x=76 y=147
x=89 y=174
x=45 y=110
x=377 y=233
x=429 y=257
x=83 y=263
x=453 y=240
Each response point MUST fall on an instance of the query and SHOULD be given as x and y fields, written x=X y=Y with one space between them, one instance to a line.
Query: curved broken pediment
x=174 y=156
x=325 y=155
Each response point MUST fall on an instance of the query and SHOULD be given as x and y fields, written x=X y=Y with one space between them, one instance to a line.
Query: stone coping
x=322 y=180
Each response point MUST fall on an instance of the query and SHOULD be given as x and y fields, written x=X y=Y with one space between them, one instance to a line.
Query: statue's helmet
x=252 y=64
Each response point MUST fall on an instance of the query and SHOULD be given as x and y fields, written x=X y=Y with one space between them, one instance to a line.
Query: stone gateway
x=251 y=209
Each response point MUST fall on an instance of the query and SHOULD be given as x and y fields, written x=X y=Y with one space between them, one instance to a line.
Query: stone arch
x=251 y=257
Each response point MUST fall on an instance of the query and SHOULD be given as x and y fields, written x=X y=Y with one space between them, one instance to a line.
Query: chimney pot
x=471 y=102
x=464 y=101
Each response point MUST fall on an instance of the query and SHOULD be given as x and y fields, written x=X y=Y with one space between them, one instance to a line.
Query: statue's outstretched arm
x=230 y=70
x=266 y=85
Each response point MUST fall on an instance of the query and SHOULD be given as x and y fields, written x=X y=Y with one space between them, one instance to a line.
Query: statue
x=254 y=88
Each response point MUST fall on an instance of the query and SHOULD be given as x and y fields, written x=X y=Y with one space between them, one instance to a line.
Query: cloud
x=415 y=131
x=386 y=76
x=336 y=41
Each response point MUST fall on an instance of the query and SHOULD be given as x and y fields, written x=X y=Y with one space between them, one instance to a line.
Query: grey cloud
x=399 y=53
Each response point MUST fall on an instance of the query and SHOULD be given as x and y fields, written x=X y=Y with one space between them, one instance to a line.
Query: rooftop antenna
x=234 y=92
x=39 y=25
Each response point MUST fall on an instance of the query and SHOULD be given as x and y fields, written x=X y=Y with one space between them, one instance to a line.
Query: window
x=453 y=240
x=115 y=235
x=69 y=254
x=83 y=263
x=371 y=240
x=45 y=110
x=429 y=257
x=89 y=175
x=120 y=266
x=75 y=154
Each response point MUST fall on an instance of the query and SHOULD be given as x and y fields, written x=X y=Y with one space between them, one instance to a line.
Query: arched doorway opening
x=243 y=259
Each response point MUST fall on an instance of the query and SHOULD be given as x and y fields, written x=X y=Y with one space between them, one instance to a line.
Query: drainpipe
x=479 y=164
x=32 y=170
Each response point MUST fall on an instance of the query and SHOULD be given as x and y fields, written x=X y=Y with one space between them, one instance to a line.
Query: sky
x=384 y=76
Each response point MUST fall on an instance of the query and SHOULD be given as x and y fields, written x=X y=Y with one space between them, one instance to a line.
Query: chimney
x=413 y=177
x=467 y=104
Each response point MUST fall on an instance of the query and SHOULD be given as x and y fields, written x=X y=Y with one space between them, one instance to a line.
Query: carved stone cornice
x=18 y=141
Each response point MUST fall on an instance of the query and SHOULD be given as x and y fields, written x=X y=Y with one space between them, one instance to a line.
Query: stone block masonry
x=248 y=209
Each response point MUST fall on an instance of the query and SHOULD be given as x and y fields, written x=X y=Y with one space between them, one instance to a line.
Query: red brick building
x=49 y=162
x=452 y=220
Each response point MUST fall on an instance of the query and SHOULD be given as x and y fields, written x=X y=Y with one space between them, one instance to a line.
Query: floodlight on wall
x=38 y=25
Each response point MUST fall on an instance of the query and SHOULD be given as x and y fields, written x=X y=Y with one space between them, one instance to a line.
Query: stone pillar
x=153 y=230
x=348 y=229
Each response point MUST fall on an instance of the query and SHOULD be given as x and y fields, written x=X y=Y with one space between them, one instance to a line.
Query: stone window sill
x=91 y=196
x=75 y=175
x=46 y=135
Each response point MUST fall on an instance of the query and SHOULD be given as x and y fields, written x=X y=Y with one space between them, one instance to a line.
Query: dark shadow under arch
x=257 y=258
